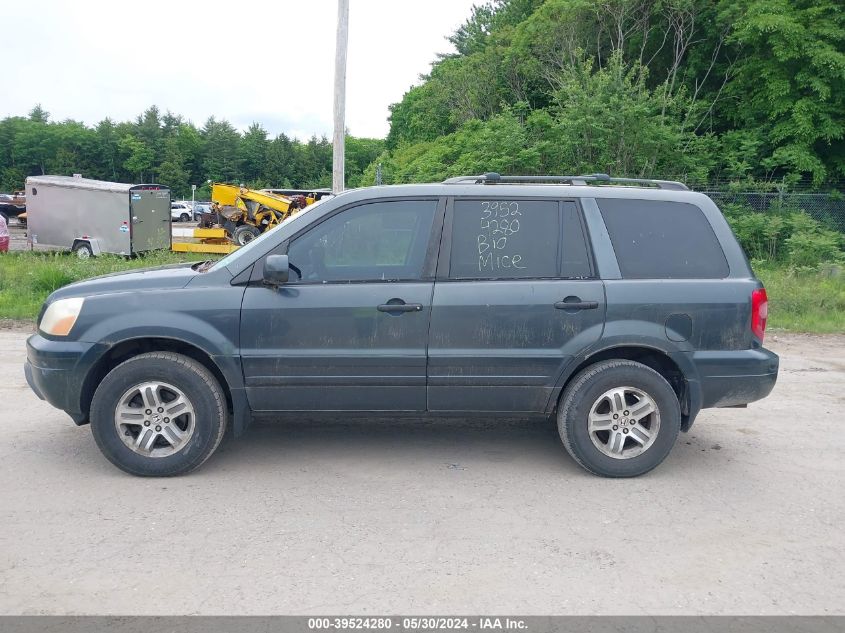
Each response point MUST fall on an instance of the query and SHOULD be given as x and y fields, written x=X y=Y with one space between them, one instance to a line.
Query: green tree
x=790 y=86
x=252 y=153
x=138 y=157
x=221 y=162
x=39 y=114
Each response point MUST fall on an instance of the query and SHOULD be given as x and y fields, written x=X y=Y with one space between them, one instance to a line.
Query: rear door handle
x=400 y=307
x=575 y=303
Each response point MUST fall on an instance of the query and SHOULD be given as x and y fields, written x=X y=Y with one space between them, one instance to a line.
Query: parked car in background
x=4 y=235
x=200 y=208
x=181 y=211
x=12 y=205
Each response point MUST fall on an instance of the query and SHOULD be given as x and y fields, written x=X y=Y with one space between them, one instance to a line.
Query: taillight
x=759 y=312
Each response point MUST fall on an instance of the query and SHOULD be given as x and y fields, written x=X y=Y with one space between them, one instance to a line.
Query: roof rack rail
x=493 y=178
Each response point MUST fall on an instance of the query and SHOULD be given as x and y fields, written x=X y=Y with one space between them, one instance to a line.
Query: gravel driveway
x=446 y=516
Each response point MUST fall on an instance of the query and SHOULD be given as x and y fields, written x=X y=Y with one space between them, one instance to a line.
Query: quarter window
x=380 y=241
x=662 y=240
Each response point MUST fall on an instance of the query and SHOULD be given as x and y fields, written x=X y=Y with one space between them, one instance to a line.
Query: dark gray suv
x=621 y=307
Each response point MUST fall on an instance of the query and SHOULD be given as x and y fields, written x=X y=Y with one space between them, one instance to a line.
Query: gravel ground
x=447 y=516
x=17 y=233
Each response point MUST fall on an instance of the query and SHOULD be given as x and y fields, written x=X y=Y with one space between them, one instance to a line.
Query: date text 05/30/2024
x=418 y=623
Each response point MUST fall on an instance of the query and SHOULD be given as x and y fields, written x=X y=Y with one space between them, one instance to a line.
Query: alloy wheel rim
x=624 y=422
x=154 y=419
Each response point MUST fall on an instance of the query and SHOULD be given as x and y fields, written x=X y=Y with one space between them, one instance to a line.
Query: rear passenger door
x=515 y=298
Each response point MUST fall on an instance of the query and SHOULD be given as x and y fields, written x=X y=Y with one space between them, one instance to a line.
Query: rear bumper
x=56 y=370
x=732 y=378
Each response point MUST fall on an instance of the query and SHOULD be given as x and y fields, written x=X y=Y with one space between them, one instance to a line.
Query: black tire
x=83 y=250
x=184 y=218
x=199 y=386
x=244 y=234
x=586 y=389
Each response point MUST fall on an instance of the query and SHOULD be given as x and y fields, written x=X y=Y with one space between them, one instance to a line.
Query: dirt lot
x=452 y=516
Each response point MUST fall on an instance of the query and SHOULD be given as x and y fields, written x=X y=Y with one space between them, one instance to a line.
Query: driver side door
x=349 y=330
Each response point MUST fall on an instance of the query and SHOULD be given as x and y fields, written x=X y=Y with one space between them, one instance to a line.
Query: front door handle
x=398 y=305
x=575 y=303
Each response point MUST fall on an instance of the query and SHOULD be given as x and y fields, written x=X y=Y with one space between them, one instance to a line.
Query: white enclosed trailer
x=94 y=216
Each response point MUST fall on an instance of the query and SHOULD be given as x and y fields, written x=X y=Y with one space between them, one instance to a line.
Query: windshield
x=244 y=251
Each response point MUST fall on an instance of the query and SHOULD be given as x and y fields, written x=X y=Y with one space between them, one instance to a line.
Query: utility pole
x=338 y=142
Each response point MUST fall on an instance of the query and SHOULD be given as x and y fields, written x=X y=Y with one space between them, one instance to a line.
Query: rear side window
x=662 y=240
x=517 y=239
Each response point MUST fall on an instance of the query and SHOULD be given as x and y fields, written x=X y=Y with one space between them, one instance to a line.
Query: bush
x=811 y=248
x=784 y=236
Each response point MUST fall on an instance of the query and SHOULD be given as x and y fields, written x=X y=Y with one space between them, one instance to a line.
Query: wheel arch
x=653 y=357
x=126 y=349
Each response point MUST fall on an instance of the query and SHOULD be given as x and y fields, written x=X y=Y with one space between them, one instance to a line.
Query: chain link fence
x=826 y=207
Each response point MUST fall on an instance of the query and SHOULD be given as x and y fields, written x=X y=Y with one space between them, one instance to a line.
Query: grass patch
x=26 y=278
x=805 y=300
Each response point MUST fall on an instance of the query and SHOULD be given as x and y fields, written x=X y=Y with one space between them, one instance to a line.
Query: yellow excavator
x=247 y=213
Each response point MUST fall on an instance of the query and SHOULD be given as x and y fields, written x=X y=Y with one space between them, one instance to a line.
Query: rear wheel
x=244 y=234
x=158 y=414
x=619 y=418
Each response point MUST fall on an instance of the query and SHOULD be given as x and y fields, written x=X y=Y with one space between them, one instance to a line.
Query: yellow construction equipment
x=246 y=213
x=203 y=241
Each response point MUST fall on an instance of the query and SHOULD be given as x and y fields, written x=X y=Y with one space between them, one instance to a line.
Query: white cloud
x=245 y=61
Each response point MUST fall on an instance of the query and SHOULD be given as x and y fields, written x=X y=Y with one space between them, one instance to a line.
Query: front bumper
x=734 y=378
x=56 y=372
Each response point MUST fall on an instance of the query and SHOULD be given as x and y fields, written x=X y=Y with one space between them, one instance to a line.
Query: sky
x=246 y=61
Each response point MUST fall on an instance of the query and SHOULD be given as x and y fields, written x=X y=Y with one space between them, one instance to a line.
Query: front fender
x=207 y=319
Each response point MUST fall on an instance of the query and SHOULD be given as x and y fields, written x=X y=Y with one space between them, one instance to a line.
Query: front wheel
x=158 y=414
x=184 y=217
x=619 y=418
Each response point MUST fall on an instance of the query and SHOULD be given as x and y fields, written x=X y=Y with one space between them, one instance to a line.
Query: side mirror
x=276 y=270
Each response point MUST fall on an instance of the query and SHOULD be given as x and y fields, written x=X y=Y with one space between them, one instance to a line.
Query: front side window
x=379 y=241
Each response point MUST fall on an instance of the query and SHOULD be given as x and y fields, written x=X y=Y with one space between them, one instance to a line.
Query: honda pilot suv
x=619 y=307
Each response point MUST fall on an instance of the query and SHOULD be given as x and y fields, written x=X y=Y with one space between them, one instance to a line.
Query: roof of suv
x=527 y=190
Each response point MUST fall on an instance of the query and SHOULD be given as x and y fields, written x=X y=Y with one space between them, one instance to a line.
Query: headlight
x=60 y=316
